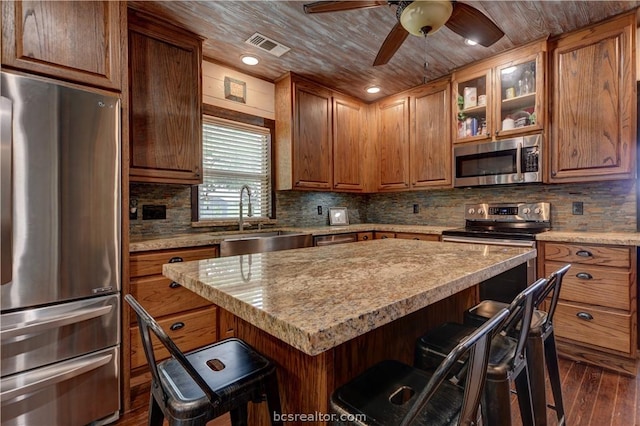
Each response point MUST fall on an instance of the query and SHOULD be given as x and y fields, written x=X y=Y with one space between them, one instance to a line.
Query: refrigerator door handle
x=41 y=324
x=67 y=372
x=6 y=188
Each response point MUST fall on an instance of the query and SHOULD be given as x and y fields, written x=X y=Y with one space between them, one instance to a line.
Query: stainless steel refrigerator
x=60 y=253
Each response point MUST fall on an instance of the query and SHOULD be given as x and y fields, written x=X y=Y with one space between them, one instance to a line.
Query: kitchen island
x=324 y=314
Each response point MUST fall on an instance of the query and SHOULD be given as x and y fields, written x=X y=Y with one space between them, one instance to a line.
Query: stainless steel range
x=506 y=224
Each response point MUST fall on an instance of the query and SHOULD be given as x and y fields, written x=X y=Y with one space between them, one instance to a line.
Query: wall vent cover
x=268 y=45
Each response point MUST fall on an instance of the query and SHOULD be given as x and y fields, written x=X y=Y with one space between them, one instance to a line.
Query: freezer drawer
x=36 y=337
x=70 y=393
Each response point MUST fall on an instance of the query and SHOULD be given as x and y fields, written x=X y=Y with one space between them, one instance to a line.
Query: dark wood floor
x=592 y=397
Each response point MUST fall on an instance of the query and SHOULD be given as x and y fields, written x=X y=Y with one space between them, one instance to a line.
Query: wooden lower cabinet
x=381 y=235
x=190 y=320
x=596 y=316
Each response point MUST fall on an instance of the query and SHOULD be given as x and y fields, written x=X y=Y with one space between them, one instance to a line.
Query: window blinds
x=234 y=154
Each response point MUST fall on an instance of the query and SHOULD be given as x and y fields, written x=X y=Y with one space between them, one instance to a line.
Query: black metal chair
x=194 y=387
x=541 y=344
x=507 y=360
x=392 y=393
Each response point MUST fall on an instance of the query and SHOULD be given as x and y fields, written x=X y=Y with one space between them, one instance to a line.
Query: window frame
x=242 y=118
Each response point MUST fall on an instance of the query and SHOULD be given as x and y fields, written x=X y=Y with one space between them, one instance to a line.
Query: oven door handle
x=494 y=242
x=519 y=176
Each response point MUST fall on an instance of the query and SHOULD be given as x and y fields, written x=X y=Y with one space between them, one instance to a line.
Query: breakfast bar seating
x=395 y=393
x=191 y=389
x=507 y=363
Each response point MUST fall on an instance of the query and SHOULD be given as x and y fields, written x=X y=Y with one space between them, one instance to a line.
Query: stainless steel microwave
x=507 y=161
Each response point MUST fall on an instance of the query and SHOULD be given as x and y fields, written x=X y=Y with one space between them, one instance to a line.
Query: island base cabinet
x=306 y=382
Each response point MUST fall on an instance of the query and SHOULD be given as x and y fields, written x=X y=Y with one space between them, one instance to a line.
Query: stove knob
x=471 y=211
x=537 y=210
x=526 y=210
x=480 y=211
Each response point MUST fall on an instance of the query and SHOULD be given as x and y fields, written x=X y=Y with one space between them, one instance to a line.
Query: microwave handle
x=519 y=162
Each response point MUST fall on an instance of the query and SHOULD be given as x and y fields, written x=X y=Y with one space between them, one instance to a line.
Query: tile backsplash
x=608 y=206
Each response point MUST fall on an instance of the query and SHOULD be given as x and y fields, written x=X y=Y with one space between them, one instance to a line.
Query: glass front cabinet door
x=502 y=96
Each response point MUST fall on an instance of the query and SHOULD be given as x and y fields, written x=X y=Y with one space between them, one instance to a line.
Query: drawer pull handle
x=584 y=316
x=583 y=253
x=584 y=276
x=174 y=284
x=384 y=237
x=176 y=326
x=176 y=259
x=416 y=238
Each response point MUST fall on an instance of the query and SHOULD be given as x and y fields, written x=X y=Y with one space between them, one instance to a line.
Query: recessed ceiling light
x=470 y=42
x=373 y=89
x=250 y=60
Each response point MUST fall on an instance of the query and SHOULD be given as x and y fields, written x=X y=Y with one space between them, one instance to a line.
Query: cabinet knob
x=176 y=326
x=497 y=132
x=488 y=134
x=384 y=237
x=416 y=238
x=584 y=276
x=584 y=316
x=366 y=237
x=174 y=285
x=176 y=259
x=583 y=253
x=553 y=173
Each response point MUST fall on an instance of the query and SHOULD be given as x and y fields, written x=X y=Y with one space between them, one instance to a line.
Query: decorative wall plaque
x=235 y=90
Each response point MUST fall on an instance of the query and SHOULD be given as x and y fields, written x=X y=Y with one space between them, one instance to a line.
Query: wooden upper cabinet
x=430 y=137
x=166 y=101
x=348 y=152
x=79 y=41
x=312 y=136
x=502 y=96
x=393 y=140
x=303 y=134
x=593 y=127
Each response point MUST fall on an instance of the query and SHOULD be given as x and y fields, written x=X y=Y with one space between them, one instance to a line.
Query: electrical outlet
x=319 y=210
x=416 y=208
x=577 y=208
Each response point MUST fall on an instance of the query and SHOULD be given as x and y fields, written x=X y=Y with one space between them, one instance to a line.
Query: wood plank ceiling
x=338 y=49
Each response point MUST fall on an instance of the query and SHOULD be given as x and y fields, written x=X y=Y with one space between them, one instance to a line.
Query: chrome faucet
x=249 y=208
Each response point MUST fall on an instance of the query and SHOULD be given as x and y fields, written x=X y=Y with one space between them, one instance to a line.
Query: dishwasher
x=327 y=240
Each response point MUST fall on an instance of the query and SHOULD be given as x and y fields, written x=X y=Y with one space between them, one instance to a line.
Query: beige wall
x=260 y=97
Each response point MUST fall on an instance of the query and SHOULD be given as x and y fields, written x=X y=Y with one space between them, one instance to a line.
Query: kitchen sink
x=262 y=242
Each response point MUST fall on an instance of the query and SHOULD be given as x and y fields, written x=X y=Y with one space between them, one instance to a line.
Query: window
x=234 y=154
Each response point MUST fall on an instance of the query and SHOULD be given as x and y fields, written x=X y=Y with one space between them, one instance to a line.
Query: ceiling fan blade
x=335 y=6
x=470 y=23
x=391 y=44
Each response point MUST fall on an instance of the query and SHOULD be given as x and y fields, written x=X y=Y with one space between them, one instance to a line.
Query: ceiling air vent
x=268 y=45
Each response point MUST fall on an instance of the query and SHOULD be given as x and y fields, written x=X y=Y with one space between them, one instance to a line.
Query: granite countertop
x=319 y=297
x=210 y=238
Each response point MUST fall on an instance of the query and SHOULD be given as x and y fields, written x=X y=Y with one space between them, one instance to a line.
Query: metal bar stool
x=194 y=387
x=507 y=361
x=541 y=344
x=391 y=393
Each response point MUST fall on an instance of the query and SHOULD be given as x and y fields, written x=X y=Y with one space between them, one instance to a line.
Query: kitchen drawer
x=607 y=329
x=365 y=236
x=160 y=296
x=413 y=236
x=595 y=285
x=619 y=257
x=150 y=263
x=383 y=235
x=199 y=329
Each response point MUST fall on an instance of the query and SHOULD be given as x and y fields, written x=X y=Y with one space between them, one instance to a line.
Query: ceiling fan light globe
x=425 y=13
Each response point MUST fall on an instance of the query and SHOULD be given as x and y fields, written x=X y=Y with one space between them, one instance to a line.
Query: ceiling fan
x=421 y=18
